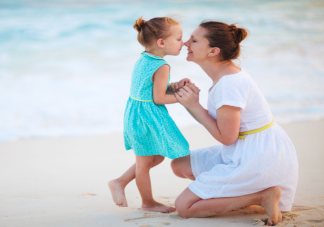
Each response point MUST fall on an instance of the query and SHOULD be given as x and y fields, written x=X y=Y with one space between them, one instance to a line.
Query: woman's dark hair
x=153 y=29
x=226 y=37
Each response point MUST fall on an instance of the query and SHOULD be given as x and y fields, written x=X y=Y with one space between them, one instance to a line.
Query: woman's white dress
x=261 y=160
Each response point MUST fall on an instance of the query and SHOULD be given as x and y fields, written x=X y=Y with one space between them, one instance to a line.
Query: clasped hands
x=188 y=94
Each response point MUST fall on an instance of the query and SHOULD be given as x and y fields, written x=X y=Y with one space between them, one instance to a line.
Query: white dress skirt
x=261 y=160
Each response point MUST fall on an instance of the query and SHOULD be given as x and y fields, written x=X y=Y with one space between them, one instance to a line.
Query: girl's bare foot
x=117 y=192
x=158 y=207
x=269 y=201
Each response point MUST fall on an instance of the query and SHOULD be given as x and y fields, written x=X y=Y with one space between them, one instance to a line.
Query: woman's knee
x=181 y=208
x=184 y=203
x=175 y=167
x=181 y=167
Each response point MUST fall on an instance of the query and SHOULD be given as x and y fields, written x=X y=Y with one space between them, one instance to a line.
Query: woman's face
x=198 y=46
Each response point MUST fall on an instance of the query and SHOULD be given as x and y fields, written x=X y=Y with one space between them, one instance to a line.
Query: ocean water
x=65 y=66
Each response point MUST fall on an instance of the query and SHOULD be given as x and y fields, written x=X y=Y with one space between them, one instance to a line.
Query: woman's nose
x=186 y=43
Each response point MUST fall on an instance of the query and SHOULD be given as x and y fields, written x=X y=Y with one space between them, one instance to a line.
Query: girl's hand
x=184 y=82
x=188 y=96
x=177 y=85
x=173 y=86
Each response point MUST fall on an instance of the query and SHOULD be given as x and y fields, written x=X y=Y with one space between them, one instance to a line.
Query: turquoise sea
x=65 y=66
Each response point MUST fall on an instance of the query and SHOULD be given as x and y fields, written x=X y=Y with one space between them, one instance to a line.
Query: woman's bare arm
x=225 y=129
x=192 y=114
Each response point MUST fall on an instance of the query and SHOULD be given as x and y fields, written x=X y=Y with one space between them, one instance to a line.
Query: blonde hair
x=153 y=29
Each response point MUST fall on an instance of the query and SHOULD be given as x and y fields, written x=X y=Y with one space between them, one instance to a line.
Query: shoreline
x=62 y=181
x=112 y=132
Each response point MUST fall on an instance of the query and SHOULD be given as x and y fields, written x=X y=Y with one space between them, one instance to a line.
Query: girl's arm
x=160 y=82
x=225 y=129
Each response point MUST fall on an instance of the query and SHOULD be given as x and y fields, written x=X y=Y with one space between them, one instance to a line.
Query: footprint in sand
x=164 y=197
x=316 y=221
x=258 y=222
x=289 y=216
x=153 y=220
x=87 y=195
x=168 y=200
x=148 y=215
x=156 y=225
x=301 y=208
x=176 y=216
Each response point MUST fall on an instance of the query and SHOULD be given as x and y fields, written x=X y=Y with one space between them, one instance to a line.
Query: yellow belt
x=141 y=100
x=242 y=134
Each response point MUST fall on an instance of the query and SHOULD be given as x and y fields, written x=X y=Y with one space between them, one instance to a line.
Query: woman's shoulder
x=241 y=76
x=232 y=90
x=237 y=80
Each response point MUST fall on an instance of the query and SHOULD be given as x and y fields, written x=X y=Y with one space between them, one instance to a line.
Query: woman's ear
x=160 y=43
x=213 y=52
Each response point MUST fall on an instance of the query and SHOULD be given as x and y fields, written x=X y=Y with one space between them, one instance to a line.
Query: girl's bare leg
x=190 y=205
x=143 y=181
x=117 y=186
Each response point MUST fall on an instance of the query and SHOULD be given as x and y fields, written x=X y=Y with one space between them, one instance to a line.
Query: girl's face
x=174 y=43
x=198 y=46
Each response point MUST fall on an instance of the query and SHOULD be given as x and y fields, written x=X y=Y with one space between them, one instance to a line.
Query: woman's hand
x=194 y=88
x=188 y=96
x=177 y=85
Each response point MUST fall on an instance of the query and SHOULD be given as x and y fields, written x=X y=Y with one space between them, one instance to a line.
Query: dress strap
x=242 y=134
x=144 y=53
x=141 y=100
x=152 y=56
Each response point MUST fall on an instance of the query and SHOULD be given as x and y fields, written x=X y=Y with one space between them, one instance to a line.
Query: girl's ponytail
x=139 y=24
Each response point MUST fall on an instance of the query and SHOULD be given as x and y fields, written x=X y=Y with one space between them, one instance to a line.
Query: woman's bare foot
x=117 y=192
x=269 y=201
x=158 y=207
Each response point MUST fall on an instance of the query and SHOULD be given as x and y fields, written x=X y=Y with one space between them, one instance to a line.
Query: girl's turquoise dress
x=148 y=127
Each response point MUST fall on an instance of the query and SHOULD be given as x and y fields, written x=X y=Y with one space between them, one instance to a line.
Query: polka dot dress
x=148 y=128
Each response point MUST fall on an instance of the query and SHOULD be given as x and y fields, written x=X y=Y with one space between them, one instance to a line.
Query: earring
x=209 y=55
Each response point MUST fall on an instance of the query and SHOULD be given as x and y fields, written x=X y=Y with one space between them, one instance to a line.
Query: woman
x=259 y=168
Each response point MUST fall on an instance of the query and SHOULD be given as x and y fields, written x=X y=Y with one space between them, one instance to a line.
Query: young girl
x=148 y=128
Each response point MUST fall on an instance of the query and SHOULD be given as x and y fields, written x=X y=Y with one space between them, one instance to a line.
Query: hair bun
x=139 y=24
x=238 y=33
x=232 y=27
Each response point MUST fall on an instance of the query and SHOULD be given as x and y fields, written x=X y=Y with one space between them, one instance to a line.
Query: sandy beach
x=63 y=182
